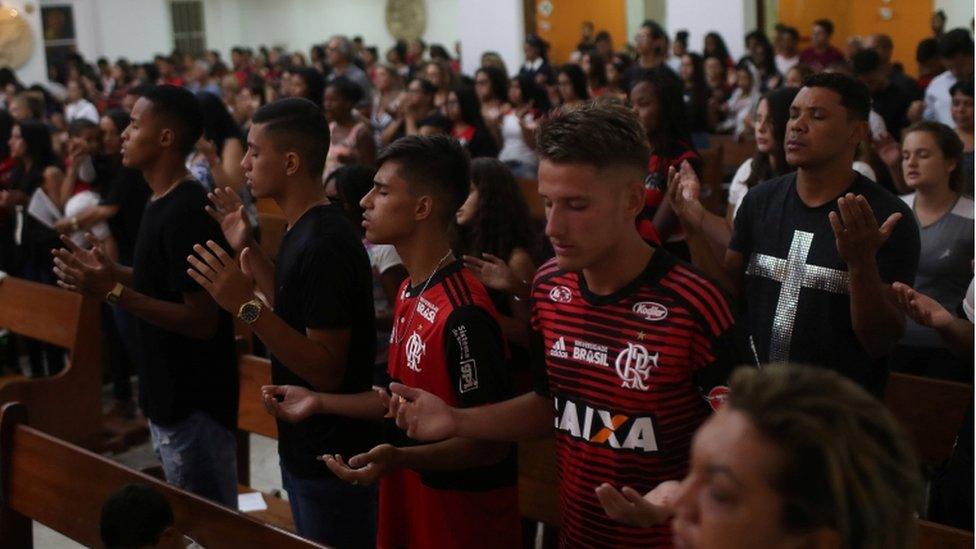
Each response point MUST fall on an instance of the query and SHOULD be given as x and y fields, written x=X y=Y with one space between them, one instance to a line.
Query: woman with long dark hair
x=761 y=61
x=497 y=241
x=351 y=140
x=696 y=98
x=595 y=68
x=714 y=46
x=571 y=83
x=527 y=103
x=464 y=112
x=491 y=87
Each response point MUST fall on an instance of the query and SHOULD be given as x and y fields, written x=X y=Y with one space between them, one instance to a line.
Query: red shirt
x=631 y=376
x=656 y=184
x=447 y=341
x=820 y=60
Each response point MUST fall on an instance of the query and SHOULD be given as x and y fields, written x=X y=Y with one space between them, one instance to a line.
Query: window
x=188 y=30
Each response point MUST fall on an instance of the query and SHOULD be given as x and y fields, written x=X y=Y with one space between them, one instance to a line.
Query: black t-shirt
x=323 y=281
x=892 y=104
x=127 y=189
x=796 y=291
x=181 y=375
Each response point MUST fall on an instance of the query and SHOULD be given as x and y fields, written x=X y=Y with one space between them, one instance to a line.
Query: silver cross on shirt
x=793 y=274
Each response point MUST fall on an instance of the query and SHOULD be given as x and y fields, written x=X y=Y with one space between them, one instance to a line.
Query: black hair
x=347 y=89
x=469 y=106
x=502 y=221
x=134 y=516
x=119 y=118
x=602 y=36
x=435 y=164
x=598 y=70
x=769 y=62
x=353 y=182
x=927 y=50
x=6 y=124
x=854 y=95
x=697 y=108
x=298 y=125
x=139 y=91
x=539 y=44
x=218 y=124
x=438 y=51
x=672 y=123
x=964 y=87
x=498 y=80
x=955 y=42
x=436 y=120
x=657 y=31
x=826 y=24
x=533 y=92
x=78 y=125
x=577 y=79
x=778 y=104
x=791 y=31
x=865 y=61
x=682 y=37
x=37 y=139
x=314 y=84
x=720 y=50
x=425 y=85
x=948 y=142
x=152 y=73
x=180 y=108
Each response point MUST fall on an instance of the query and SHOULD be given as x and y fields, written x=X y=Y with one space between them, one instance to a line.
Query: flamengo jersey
x=448 y=341
x=631 y=376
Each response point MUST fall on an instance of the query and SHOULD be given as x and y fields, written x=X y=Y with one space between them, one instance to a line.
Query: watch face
x=250 y=312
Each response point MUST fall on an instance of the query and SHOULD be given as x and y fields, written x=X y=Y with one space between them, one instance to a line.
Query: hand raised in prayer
x=88 y=272
x=422 y=415
x=630 y=507
x=684 y=190
x=219 y=274
x=364 y=468
x=858 y=236
x=296 y=404
x=921 y=308
x=228 y=210
x=496 y=274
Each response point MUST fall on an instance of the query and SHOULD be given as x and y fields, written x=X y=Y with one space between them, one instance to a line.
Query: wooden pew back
x=930 y=410
x=64 y=486
x=69 y=404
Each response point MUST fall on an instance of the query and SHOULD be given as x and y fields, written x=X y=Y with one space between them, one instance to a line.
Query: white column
x=496 y=25
x=730 y=18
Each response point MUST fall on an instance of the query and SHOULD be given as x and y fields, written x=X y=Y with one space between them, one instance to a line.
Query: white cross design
x=794 y=274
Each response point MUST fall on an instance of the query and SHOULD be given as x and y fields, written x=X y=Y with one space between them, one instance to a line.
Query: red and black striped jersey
x=446 y=340
x=631 y=376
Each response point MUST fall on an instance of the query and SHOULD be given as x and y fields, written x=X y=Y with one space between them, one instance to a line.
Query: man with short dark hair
x=651 y=43
x=188 y=385
x=632 y=347
x=339 y=53
x=956 y=49
x=887 y=99
x=813 y=253
x=821 y=54
x=446 y=339
x=786 y=55
x=316 y=316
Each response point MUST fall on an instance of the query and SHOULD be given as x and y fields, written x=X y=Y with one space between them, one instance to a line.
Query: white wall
x=727 y=17
x=496 y=25
x=958 y=12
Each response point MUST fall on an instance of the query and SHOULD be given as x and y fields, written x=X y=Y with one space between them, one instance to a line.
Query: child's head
x=136 y=516
x=85 y=133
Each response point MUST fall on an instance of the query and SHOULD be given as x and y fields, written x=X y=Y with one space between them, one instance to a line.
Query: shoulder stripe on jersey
x=465 y=290
x=546 y=271
x=450 y=292
x=714 y=325
x=452 y=283
x=716 y=299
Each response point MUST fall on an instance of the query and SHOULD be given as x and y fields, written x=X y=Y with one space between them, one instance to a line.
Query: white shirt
x=938 y=102
x=79 y=203
x=80 y=109
x=514 y=147
x=784 y=64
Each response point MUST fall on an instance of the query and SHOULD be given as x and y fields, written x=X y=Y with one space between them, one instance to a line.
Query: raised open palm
x=228 y=210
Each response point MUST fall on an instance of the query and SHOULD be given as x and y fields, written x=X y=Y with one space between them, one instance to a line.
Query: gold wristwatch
x=115 y=295
x=250 y=311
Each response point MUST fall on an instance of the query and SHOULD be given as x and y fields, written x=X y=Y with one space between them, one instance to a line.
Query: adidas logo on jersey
x=558 y=349
x=605 y=428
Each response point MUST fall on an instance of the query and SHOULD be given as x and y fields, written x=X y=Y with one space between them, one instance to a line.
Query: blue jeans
x=199 y=455
x=332 y=511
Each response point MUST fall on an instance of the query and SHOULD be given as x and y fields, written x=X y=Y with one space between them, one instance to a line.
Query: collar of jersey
x=659 y=264
x=446 y=270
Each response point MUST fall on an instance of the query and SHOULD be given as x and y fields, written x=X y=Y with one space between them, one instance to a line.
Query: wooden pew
x=68 y=405
x=252 y=418
x=712 y=194
x=931 y=411
x=734 y=152
x=938 y=536
x=63 y=487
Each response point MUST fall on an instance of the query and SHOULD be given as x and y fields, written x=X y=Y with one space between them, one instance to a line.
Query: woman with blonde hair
x=798 y=456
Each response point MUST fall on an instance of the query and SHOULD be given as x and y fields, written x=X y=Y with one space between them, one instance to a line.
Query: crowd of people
x=418 y=321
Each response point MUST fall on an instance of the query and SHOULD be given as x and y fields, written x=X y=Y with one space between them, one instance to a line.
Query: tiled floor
x=265 y=476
